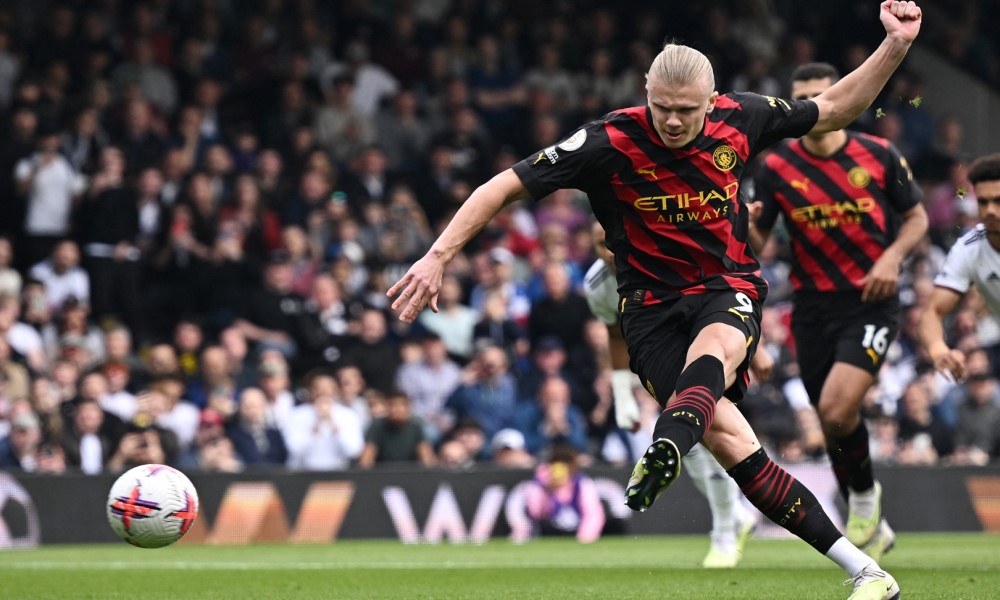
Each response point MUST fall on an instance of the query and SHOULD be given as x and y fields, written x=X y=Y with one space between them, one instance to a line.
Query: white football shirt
x=601 y=290
x=973 y=261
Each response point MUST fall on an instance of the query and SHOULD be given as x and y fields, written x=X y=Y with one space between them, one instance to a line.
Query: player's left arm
x=845 y=100
x=904 y=197
x=881 y=281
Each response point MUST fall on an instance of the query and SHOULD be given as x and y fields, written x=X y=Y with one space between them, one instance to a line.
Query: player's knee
x=837 y=419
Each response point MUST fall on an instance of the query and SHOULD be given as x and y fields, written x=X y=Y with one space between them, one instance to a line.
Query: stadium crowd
x=202 y=204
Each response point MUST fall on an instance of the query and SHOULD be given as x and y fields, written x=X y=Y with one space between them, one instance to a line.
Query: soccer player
x=974 y=259
x=731 y=524
x=853 y=212
x=663 y=180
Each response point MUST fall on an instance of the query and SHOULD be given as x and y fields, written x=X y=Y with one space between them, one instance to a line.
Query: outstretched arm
x=420 y=285
x=931 y=332
x=842 y=102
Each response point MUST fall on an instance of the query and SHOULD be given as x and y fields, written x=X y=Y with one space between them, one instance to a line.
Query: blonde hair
x=678 y=65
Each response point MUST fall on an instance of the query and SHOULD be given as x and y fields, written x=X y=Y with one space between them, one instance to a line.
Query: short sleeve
x=771 y=119
x=900 y=186
x=571 y=163
x=956 y=273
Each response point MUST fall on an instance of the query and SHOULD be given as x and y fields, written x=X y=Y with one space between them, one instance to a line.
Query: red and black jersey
x=841 y=211
x=673 y=217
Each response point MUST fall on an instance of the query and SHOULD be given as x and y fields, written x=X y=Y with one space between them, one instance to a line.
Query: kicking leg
x=710 y=368
x=784 y=499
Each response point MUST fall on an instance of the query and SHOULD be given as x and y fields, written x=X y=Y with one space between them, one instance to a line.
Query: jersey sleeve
x=569 y=164
x=956 y=273
x=771 y=119
x=900 y=187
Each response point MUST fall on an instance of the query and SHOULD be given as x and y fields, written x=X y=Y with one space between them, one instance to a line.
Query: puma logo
x=801 y=185
x=651 y=171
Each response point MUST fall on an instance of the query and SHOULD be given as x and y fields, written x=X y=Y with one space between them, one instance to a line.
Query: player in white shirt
x=731 y=523
x=973 y=260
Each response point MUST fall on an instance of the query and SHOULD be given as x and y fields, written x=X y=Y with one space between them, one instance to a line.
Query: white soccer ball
x=152 y=506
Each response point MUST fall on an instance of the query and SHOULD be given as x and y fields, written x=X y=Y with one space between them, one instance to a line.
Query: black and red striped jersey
x=841 y=211
x=672 y=217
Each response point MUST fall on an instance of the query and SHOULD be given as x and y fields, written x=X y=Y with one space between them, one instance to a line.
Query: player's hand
x=761 y=365
x=881 y=281
x=627 y=415
x=901 y=19
x=950 y=361
x=753 y=211
x=418 y=288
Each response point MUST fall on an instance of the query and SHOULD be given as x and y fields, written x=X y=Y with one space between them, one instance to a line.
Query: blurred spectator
x=396 y=437
x=16 y=377
x=342 y=129
x=551 y=419
x=454 y=322
x=85 y=141
x=978 y=429
x=10 y=278
x=323 y=435
x=373 y=352
x=86 y=445
x=62 y=275
x=563 y=500
x=216 y=382
x=488 y=393
x=155 y=82
x=257 y=443
x=354 y=394
x=72 y=336
x=472 y=444
x=145 y=442
x=109 y=228
x=273 y=317
x=507 y=448
x=22 y=339
x=212 y=451
x=924 y=438
x=50 y=186
x=274 y=381
x=428 y=383
x=24 y=449
x=403 y=132
x=174 y=412
x=496 y=328
x=371 y=82
x=495 y=273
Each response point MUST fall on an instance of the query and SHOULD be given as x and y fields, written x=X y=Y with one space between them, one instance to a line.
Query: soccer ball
x=152 y=506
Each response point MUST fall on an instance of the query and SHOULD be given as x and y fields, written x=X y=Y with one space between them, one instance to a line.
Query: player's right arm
x=421 y=283
x=931 y=332
x=845 y=100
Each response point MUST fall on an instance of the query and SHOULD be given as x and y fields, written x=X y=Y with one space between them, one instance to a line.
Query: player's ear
x=711 y=101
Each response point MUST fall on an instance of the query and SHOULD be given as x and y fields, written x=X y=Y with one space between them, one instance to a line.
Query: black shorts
x=838 y=327
x=658 y=337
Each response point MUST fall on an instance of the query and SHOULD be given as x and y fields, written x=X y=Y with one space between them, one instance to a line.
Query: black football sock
x=686 y=419
x=784 y=500
x=856 y=460
x=838 y=464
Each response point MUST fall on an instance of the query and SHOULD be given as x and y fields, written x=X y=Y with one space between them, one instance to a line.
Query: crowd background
x=202 y=203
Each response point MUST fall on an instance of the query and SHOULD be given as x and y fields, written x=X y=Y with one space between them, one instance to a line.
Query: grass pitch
x=963 y=566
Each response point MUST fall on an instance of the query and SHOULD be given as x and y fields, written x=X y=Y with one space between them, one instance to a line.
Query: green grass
x=935 y=566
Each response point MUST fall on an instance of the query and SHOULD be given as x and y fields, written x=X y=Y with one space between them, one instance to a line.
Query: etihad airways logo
x=833 y=214
x=689 y=206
